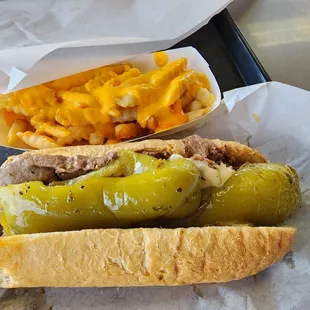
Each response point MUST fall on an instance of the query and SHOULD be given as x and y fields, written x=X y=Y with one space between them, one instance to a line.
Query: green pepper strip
x=166 y=190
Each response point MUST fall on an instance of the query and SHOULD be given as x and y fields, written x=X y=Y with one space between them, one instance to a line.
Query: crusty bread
x=136 y=257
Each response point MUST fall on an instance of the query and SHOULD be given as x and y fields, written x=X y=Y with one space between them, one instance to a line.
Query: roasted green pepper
x=259 y=194
x=167 y=189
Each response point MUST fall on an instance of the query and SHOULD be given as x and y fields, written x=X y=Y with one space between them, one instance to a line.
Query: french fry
x=125 y=131
x=36 y=121
x=69 y=140
x=81 y=132
x=38 y=96
x=82 y=142
x=151 y=123
x=187 y=81
x=37 y=141
x=96 y=138
x=169 y=72
x=186 y=99
x=130 y=73
x=79 y=100
x=210 y=101
x=19 y=110
x=196 y=114
x=111 y=141
x=106 y=129
x=98 y=81
x=126 y=115
x=193 y=106
x=71 y=81
x=95 y=116
x=77 y=134
x=78 y=89
x=74 y=116
x=177 y=107
x=17 y=126
x=79 y=79
x=47 y=128
x=53 y=130
x=127 y=101
x=161 y=58
x=30 y=128
x=107 y=94
x=10 y=117
x=202 y=95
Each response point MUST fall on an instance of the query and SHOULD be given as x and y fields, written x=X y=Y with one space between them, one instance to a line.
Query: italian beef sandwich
x=154 y=212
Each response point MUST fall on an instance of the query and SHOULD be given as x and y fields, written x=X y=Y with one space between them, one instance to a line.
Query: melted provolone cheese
x=215 y=176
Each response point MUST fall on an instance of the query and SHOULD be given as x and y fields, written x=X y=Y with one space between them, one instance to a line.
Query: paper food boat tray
x=146 y=63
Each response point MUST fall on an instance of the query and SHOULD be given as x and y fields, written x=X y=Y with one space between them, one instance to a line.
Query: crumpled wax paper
x=42 y=40
x=274 y=118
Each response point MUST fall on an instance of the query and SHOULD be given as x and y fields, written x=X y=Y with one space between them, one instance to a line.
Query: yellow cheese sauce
x=161 y=58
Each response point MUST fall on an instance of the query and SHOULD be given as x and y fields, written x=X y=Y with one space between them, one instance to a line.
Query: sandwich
x=147 y=213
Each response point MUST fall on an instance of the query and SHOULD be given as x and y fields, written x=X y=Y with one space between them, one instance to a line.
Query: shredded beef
x=195 y=145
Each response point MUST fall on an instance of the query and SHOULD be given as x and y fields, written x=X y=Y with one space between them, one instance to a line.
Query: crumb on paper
x=198 y=293
x=256 y=117
x=289 y=260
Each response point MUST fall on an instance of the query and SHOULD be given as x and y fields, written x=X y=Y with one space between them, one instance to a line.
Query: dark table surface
x=211 y=46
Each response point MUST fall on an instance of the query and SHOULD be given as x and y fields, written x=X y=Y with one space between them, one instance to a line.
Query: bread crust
x=140 y=257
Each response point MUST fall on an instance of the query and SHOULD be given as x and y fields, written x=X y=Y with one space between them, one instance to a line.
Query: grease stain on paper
x=256 y=117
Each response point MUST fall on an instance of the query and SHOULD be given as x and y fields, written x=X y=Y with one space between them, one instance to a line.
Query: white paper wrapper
x=280 y=130
x=61 y=38
x=146 y=63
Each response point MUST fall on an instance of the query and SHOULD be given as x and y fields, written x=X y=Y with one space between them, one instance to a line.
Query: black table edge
x=245 y=60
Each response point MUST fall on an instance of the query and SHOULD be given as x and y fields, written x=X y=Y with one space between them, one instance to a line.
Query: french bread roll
x=140 y=257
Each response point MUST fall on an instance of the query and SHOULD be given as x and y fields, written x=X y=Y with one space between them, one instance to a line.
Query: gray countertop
x=279 y=33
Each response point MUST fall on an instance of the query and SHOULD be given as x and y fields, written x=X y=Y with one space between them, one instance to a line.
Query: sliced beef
x=195 y=145
x=50 y=168
x=159 y=154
